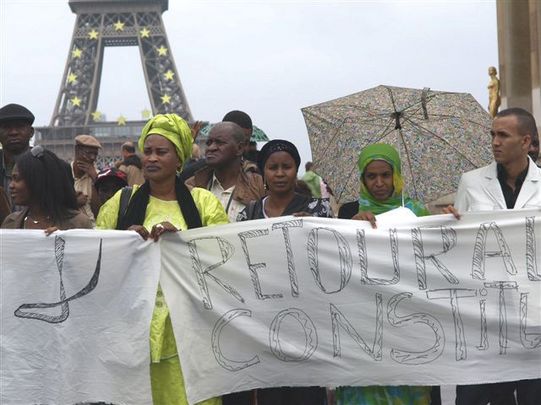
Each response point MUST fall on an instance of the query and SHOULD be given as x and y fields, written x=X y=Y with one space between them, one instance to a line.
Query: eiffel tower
x=102 y=23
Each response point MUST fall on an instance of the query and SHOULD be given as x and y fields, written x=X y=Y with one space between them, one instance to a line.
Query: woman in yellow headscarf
x=164 y=204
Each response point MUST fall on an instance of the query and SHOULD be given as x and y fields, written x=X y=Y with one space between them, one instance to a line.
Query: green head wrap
x=174 y=129
x=385 y=152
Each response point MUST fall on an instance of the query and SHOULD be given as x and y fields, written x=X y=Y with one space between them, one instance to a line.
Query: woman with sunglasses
x=41 y=182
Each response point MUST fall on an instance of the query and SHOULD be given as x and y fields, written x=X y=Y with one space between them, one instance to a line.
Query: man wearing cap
x=15 y=134
x=85 y=174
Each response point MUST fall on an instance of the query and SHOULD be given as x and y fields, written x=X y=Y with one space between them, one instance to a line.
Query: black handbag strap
x=125 y=196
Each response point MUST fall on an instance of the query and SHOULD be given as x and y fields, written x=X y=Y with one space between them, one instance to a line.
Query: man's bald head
x=229 y=128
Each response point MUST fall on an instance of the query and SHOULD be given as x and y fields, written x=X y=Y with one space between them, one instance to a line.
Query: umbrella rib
x=388 y=129
x=447 y=116
x=392 y=98
x=414 y=124
x=328 y=146
x=417 y=102
x=430 y=115
x=346 y=185
x=409 y=163
x=443 y=115
x=411 y=106
x=350 y=106
x=334 y=136
x=405 y=147
x=414 y=112
x=368 y=120
x=430 y=97
x=433 y=96
x=345 y=106
x=375 y=117
x=372 y=118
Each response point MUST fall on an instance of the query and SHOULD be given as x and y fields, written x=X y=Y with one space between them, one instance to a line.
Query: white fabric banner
x=314 y=301
x=75 y=317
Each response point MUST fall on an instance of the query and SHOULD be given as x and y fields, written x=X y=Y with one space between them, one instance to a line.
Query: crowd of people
x=167 y=188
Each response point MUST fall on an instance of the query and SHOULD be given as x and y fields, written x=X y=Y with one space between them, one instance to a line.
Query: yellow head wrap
x=174 y=129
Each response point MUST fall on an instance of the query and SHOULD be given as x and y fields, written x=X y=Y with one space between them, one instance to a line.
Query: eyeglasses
x=37 y=151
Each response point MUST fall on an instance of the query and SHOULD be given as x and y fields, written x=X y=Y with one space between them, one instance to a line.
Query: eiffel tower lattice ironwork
x=102 y=23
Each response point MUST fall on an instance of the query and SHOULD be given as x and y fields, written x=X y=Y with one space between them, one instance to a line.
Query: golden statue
x=494 y=99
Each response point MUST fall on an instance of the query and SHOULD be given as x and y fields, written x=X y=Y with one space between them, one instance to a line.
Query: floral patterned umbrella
x=439 y=135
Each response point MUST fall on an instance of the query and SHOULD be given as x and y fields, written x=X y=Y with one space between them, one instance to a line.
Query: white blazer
x=480 y=190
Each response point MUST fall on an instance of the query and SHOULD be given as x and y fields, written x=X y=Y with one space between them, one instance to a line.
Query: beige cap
x=87 y=140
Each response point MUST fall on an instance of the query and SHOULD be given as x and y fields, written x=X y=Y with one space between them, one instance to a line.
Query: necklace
x=36 y=221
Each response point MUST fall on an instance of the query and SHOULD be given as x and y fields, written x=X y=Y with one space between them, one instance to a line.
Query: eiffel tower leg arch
x=111 y=23
x=127 y=23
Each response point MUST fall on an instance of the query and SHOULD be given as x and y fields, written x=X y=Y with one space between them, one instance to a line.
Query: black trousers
x=238 y=398
x=528 y=393
x=279 y=396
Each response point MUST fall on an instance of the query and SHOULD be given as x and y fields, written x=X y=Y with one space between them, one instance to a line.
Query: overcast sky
x=268 y=58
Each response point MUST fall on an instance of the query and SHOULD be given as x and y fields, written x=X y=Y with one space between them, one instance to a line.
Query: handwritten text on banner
x=308 y=301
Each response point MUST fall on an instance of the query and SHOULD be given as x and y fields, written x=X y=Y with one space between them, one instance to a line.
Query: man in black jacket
x=15 y=133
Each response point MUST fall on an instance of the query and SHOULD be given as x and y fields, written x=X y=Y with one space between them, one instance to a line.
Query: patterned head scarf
x=174 y=129
x=277 y=145
x=388 y=154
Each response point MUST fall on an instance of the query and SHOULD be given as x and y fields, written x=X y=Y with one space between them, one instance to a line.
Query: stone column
x=535 y=57
x=514 y=53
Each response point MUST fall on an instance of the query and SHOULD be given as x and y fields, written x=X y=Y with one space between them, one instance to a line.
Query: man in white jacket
x=512 y=181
